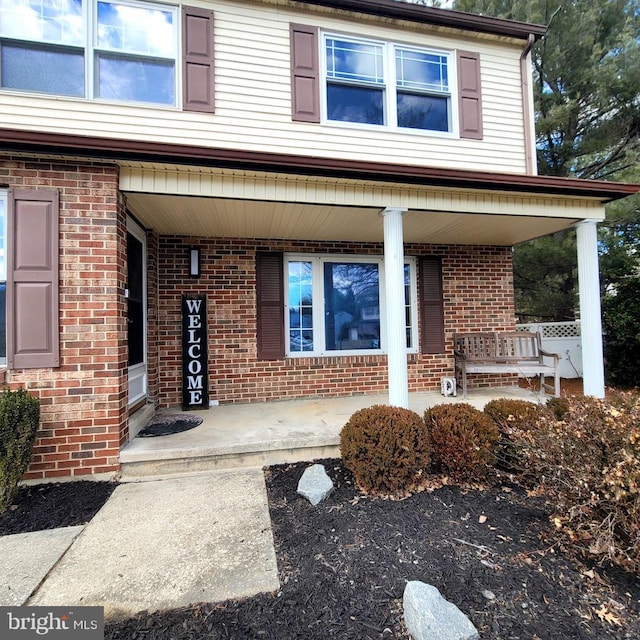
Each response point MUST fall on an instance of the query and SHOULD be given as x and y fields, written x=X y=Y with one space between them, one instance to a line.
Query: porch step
x=152 y=465
x=263 y=434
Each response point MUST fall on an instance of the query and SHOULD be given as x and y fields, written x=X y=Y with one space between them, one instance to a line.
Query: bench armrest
x=548 y=354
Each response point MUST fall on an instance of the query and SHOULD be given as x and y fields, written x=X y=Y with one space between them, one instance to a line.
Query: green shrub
x=19 y=421
x=511 y=416
x=588 y=462
x=386 y=449
x=621 y=324
x=462 y=440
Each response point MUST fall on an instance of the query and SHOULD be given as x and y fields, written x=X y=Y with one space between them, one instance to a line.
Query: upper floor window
x=110 y=49
x=387 y=84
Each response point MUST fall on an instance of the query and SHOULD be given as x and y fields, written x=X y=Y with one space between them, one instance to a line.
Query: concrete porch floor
x=262 y=434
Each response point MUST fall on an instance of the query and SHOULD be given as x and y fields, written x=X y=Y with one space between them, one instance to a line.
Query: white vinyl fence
x=562 y=338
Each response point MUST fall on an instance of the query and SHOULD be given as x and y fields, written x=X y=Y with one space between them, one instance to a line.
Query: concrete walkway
x=27 y=558
x=158 y=545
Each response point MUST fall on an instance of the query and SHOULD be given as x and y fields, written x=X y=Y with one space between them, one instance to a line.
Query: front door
x=136 y=294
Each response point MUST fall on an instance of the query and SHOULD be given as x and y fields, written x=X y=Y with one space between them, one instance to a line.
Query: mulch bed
x=344 y=564
x=49 y=506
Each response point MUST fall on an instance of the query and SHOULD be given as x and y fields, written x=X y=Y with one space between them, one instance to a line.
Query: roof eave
x=65 y=145
x=437 y=17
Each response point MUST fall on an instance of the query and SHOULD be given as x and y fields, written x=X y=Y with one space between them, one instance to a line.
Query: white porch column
x=590 y=313
x=394 y=307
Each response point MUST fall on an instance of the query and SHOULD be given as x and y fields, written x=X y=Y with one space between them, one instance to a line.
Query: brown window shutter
x=305 y=74
x=469 y=95
x=431 y=306
x=270 y=306
x=197 y=60
x=32 y=279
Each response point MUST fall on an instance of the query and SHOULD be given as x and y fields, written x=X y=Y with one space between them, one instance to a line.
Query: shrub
x=511 y=416
x=621 y=324
x=462 y=440
x=19 y=420
x=505 y=410
x=386 y=449
x=589 y=464
x=558 y=406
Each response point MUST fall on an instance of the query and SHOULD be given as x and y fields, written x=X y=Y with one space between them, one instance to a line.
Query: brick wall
x=153 y=311
x=478 y=293
x=83 y=402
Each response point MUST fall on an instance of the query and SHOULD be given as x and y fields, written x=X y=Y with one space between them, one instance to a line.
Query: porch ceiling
x=225 y=217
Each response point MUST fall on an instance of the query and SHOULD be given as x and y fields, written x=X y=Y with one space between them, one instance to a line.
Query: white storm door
x=136 y=294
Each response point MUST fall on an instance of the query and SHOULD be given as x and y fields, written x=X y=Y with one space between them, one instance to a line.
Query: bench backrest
x=476 y=346
x=504 y=346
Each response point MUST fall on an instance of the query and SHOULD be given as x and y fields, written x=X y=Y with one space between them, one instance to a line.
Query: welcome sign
x=195 y=373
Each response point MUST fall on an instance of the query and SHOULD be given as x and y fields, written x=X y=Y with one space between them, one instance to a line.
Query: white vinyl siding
x=253 y=100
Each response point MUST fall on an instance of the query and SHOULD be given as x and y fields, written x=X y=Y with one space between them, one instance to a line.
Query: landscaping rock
x=429 y=616
x=315 y=485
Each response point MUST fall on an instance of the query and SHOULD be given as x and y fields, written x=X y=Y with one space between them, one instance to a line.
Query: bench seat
x=518 y=352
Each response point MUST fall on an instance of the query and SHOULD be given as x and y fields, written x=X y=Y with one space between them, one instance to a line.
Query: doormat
x=168 y=424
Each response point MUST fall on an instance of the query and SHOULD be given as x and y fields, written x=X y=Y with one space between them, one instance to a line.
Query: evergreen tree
x=587 y=82
x=587 y=101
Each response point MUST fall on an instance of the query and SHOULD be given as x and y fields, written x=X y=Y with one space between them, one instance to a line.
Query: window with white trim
x=336 y=305
x=3 y=277
x=387 y=84
x=119 y=50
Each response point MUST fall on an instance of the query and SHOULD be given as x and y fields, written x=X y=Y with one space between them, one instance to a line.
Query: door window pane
x=135 y=284
x=352 y=306
x=300 y=297
x=408 y=306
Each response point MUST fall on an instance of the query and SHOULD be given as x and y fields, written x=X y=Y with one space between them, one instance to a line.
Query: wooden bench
x=504 y=352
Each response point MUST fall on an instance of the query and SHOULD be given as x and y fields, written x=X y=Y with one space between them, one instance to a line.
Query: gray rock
x=429 y=616
x=315 y=485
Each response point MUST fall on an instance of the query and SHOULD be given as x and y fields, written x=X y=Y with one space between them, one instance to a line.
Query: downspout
x=525 y=74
